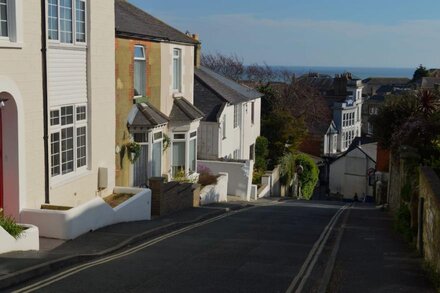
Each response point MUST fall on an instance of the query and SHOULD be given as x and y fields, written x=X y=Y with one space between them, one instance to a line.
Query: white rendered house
x=231 y=123
x=56 y=79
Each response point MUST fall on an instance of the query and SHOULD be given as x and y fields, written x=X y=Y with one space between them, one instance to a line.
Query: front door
x=140 y=167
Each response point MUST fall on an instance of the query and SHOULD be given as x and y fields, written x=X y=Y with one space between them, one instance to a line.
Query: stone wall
x=430 y=193
x=173 y=196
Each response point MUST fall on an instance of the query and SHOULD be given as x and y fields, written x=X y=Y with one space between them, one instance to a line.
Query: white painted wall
x=90 y=216
x=239 y=176
x=28 y=240
x=232 y=141
x=21 y=81
x=348 y=175
x=215 y=193
x=100 y=60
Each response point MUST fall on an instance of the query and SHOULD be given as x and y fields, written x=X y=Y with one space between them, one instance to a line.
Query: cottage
x=154 y=98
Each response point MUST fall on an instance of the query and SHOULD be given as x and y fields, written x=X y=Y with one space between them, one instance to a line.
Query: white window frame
x=58 y=129
x=188 y=138
x=7 y=4
x=74 y=30
x=177 y=58
x=144 y=59
x=14 y=23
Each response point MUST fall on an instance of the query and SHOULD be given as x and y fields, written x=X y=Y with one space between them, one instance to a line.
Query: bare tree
x=230 y=66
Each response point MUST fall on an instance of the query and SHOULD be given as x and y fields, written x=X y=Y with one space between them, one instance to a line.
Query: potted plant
x=134 y=151
x=10 y=226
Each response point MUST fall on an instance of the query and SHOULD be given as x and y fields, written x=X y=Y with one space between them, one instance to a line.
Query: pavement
x=54 y=254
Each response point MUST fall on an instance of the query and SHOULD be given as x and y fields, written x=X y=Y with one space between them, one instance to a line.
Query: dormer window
x=66 y=21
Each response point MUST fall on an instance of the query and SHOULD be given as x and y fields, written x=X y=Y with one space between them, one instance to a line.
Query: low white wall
x=263 y=191
x=272 y=179
x=240 y=176
x=215 y=193
x=90 y=216
x=28 y=240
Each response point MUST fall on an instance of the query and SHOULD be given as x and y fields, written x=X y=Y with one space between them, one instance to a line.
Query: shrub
x=261 y=153
x=287 y=169
x=8 y=223
x=207 y=179
x=180 y=176
x=256 y=177
x=309 y=177
x=402 y=222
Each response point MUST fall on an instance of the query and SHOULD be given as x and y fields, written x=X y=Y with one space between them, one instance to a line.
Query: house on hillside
x=53 y=84
x=343 y=95
x=384 y=85
x=231 y=122
x=154 y=97
x=353 y=173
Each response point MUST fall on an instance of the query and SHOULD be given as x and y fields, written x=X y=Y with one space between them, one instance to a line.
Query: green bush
x=402 y=222
x=261 y=153
x=287 y=168
x=8 y=223
x=309 y=177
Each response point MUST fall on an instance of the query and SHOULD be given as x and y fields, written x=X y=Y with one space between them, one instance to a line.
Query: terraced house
x=154 y=98
x=57 y=125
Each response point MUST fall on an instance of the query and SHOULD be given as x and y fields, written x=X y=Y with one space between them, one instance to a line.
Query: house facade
x=55 y=81
x=231 y=122
x=154 y=98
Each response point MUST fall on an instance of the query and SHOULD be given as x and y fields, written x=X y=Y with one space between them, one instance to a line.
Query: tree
x=230 y=66
x=261 y=153
x=420 y=72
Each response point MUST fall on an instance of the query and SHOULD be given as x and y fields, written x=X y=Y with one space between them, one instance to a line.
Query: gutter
x=45 y=101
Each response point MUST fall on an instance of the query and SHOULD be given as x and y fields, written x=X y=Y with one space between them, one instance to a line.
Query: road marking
x=79 y=268
x=308 y=265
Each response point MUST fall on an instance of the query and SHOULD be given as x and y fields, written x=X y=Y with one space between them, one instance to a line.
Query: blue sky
x=374 y=33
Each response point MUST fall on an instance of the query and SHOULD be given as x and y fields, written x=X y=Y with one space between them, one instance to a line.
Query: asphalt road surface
x=266 y=248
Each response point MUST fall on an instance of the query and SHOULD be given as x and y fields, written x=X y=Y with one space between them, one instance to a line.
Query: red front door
x=1 y=162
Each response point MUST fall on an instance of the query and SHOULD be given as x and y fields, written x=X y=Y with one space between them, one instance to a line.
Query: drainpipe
x=45 y=101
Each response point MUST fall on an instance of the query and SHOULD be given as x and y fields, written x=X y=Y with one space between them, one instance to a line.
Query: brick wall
x=171 y=197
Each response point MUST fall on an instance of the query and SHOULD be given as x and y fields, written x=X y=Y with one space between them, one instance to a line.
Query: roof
x=130 y=21
x=208 y=101
x=332 y=129
x=429 y=82
x=145 y=115
x=321 y=83
x=183 y=110
x=366 y=145
x=386 y=80
x=229 y=90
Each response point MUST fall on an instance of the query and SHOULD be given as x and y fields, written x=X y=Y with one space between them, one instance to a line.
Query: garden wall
x=239 y=176
x=272 y=179
x=173 y=196
x=90 y=216
x=215 y=193
x=430 y=191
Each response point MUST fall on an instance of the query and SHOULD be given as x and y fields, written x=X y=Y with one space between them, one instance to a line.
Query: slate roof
x=322 y=84
x=366 y=145
x=183 y=110
x=208 y=101
x=130 y=21
x=229 y=90
x=386 y=80
x=145 y=115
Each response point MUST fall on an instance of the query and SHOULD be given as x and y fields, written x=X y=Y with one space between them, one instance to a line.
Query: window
x=4 y=29
x=335 y=143
x=68 y=139
x=235 y=155
x=157 y=154
x=253 y=112
x=66 y=21
x=178 y=157
x=193 y=153
x=236 y=115
x=140 y=137
x=139 y=71
x=373 y=110
x=177 y=70
x=80 y=21
x=224 y=127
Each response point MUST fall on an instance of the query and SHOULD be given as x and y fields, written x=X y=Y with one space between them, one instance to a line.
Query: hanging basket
x=133 y=150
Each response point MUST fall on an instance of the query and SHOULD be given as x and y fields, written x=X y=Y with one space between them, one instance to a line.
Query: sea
x=357 y=72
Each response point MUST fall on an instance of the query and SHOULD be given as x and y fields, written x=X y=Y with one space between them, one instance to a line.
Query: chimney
x=197 y=51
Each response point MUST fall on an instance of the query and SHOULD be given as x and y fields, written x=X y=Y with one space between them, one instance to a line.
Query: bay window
x=139 y=71
x=66 y=21
x=68 y=139
x=157 y=154
x=184 y=153
x=177 y=70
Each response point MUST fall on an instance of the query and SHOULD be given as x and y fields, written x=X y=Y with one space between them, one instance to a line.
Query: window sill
x=177 y=95
x=79 y=47
x=58 y=182
x=10 y=45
